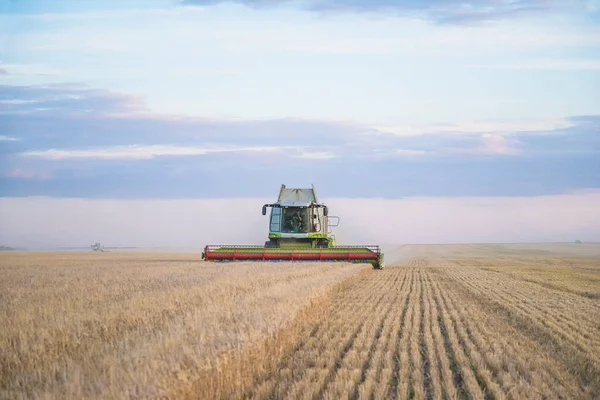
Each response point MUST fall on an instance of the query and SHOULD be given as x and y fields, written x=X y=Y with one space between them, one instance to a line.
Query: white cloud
x=408 y=152
x=49 y=222
x=507 y=126
x=139 y=152
x=496 y=144
x=493 y=144
x=19 y=173
x=398 y=35
x=239 y=29
x=112 y=14
x=4 y=138
x=317 y=155
x=19 y=70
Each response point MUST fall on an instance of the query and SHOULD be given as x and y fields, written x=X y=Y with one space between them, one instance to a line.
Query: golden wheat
x=143 y=325
x=476 y=321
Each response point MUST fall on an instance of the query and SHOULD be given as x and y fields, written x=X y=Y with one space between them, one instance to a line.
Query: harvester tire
x=272 y=244
x=379 y=264
x=324 y=244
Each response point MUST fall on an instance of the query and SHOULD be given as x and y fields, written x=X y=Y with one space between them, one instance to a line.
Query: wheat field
x=109 y=325
x=456 y=322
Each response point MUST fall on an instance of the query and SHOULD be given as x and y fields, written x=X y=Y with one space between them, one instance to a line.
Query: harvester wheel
x=272 y=244
x=380 y=264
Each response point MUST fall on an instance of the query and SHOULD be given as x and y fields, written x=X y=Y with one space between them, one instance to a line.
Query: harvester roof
x=296 y=197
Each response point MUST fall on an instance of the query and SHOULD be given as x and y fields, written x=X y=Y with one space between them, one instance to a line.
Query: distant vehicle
x=97 y=247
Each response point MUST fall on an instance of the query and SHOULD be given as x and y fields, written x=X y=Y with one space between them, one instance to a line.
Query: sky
x=209 y=106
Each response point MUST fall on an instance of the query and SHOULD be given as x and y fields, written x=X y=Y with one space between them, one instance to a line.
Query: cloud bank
x=40 y=222
x=73 y=141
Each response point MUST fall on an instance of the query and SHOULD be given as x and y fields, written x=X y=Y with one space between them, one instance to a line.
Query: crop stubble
x=438 y=329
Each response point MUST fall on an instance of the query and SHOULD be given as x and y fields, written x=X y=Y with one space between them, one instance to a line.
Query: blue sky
x=175 y=99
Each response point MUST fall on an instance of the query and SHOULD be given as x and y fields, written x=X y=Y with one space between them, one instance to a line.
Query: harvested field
x=449 y=326
x=464 y=321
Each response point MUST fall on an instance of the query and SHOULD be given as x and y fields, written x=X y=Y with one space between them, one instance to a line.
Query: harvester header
x=299 y=230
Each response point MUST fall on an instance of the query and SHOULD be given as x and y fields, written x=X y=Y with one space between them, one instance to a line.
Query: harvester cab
x=297 y=219
x=299 y=230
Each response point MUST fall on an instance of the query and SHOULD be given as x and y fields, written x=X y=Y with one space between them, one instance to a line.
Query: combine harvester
x=299 y=230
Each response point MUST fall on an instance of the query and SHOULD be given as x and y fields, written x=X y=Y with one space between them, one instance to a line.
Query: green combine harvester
x=299 y=230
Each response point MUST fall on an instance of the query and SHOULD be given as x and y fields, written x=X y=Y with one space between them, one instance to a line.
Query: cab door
x=275 y=224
